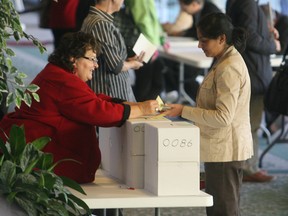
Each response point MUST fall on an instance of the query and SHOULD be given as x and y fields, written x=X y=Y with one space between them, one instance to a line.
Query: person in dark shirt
x=198 y=9
x=260 y=45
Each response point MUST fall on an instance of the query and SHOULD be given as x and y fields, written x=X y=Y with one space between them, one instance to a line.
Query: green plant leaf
x=72 y=184
x=41 y=142
x=4 y=150
x=10 y=52
x=27 y=99
x=57 y=207
x=60 y=161
x=8 y=63
x=46 y=162
x=27 y=205
x=29 y=158
x=17 y=140
x=18 y=81
x=33 y=88
x=8 y=173
x=18 y=101
x=36 y=97
x=21 y=75
x=80 y=203
x=19 y=92
x=48 y=180
x=10 y=99
x=3 y=68
x=3 y=86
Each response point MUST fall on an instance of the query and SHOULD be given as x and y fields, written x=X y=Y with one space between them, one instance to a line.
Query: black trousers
x=149 y=81
x=223 y=181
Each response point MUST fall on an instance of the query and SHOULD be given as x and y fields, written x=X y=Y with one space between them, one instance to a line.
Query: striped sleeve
x=102 y=32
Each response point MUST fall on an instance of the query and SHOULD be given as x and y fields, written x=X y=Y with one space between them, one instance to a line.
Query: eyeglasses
x=94 y=60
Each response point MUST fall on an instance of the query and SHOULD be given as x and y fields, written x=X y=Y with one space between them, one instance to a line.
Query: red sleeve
x=78 y=102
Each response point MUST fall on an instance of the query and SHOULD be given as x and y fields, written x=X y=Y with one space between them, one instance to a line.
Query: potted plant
x=27 y=179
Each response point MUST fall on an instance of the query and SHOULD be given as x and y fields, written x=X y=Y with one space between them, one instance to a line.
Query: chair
x=280 y=136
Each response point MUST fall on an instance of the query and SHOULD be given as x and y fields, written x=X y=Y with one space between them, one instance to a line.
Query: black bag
x=276 y=96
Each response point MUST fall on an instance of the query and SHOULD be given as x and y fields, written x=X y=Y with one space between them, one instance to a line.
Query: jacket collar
x=229 y=51
x=101 y=13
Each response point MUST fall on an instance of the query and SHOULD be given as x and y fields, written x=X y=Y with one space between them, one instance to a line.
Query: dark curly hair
x=73 y=45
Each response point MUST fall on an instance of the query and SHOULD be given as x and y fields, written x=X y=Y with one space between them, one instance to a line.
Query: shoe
x=258 y=177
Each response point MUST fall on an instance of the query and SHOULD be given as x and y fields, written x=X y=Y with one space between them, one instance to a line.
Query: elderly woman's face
x=85 y=66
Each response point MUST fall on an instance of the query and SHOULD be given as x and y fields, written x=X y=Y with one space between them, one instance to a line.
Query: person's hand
x=136 y=62
x=149 y=107
x=140 y=57
x=166 y=26
x=278 y=45
x=275 y=33
x=176 y=110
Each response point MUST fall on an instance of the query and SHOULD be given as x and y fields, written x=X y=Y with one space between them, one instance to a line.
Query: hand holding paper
x=143 y=44
x=162 y=106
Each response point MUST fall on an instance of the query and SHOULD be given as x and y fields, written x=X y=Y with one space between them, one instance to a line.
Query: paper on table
x=143 y=44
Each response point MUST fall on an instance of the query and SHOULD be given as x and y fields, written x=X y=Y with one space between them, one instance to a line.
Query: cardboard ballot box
x=123 y=150
x=172 y=164
x=133 y=150
x=111 y=141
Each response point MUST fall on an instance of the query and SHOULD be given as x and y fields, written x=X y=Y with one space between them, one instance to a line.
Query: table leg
x=157 y=212
x=106 y=213
x=182 y=91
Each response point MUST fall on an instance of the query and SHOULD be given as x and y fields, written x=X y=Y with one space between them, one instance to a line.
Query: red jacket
x=67 y=113
x=63 y=14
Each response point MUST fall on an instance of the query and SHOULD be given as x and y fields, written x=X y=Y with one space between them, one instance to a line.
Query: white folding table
x=108 y=193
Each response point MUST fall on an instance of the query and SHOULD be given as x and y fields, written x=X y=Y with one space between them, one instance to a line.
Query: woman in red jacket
x=69 y=110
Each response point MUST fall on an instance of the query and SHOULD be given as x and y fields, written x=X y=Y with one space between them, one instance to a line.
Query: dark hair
x=73 y=45
x=215 y=24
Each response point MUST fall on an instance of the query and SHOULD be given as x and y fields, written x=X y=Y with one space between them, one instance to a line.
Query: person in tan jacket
x=222 y=113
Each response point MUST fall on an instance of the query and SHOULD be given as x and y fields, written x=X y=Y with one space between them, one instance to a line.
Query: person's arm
x=183 y=22
x=142 y=108
x=80 y=104
x=225 y=103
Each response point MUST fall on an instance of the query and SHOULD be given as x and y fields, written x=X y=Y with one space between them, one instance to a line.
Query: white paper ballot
x=143 y=44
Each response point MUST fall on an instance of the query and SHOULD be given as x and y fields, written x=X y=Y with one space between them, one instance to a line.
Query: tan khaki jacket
x=222 y=111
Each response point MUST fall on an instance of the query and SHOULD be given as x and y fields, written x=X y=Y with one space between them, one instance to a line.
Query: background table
x=105 y=193
x=185 y=51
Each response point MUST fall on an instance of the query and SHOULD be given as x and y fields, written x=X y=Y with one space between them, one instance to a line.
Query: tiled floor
x=258 y=199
